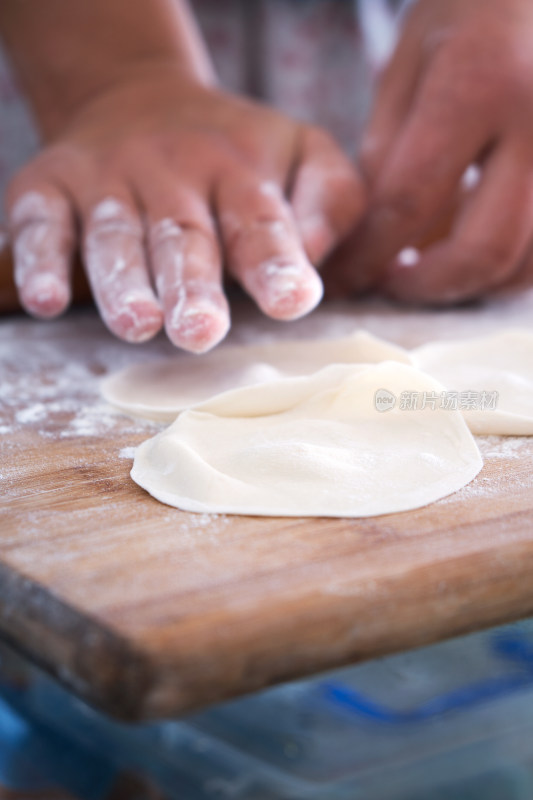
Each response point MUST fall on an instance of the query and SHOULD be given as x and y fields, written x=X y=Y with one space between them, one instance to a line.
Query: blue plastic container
x=453 y=721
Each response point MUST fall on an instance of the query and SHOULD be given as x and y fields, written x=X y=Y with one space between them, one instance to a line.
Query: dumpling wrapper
x=311 y=446
x=502 y=362
x=161 y=389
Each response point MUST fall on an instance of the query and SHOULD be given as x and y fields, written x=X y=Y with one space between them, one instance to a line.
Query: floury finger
x=116 y=266
x=42 y=232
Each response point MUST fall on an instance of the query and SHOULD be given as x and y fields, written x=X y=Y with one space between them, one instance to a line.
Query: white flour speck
x=32 y=413
x=127 y=452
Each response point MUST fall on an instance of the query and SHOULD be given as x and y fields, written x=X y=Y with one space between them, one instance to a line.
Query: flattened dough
x=160 y=390
x=502 y=362
x=311 y=446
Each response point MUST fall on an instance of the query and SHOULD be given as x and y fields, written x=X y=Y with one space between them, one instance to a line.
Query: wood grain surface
x=146 y=611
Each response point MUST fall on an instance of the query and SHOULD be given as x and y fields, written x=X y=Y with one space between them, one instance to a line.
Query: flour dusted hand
x=161 y=178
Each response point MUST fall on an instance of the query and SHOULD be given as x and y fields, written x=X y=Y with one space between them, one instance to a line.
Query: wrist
x=66 y=53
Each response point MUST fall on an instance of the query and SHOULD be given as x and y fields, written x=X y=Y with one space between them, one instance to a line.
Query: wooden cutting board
x=146 y=611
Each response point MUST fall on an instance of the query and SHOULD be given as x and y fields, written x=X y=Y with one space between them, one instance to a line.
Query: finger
x=344 y=275
x=188 y=279
x=186 y=264
x=116 y=266
x=42 y=232
x=444 y=133
x=263 y=249
x=489 y=240
x=393 y=97
x=327 y=196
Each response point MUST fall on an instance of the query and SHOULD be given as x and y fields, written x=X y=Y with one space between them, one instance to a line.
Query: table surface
x=146 y=611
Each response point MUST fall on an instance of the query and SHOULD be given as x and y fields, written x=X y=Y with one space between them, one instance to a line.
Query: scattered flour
x=498 y=449
x=198 y=522
x=93 y=420
x=127 y=452
x=503 y=446
x=50 y=372
x=50 y=379
x=33 y=413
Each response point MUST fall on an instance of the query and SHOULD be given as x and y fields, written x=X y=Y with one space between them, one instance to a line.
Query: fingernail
x=45 y=295
x=198 y=326
x=136 y=317
x=288 y=291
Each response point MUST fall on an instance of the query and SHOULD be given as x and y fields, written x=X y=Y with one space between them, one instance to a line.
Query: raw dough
x=161 y=389
x=502 y=362
x=311 y=446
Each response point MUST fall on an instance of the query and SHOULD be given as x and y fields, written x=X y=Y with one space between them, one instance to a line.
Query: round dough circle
x=311 y=446
x=160 y=390
x=501 y=363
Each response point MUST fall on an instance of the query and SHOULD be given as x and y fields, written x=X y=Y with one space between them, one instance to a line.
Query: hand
x=457 y=92
x=162 y=180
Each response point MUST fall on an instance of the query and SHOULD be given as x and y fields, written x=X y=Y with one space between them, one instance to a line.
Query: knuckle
x=253 y=208
x=174 y=229
x=129 y=154
x=112 y=215
x=251 y=189
x=63 y=159
x=38 y=208
x=262 y=227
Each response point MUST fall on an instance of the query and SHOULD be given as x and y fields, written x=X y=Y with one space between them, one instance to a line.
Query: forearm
x=66 y=51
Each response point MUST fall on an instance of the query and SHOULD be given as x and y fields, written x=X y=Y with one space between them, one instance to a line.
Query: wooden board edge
x=97 y=664
x=372 y=624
